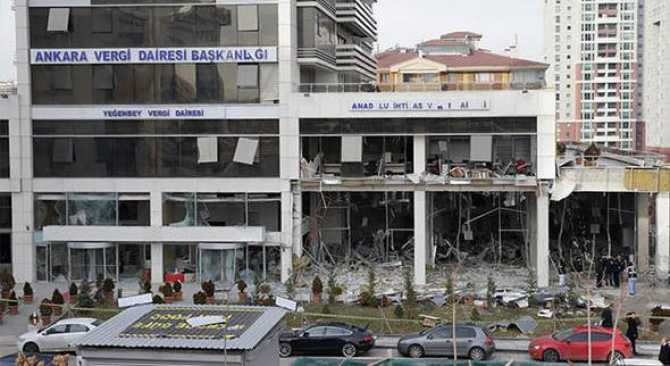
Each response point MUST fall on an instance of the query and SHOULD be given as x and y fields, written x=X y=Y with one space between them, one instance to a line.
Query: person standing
x=632 y=279
x=632 y=332
x=664 y=355
x=618 y=268
x=606 y=318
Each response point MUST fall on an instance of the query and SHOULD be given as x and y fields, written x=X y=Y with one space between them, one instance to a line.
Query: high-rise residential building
x=592 y=46
x=656 y=102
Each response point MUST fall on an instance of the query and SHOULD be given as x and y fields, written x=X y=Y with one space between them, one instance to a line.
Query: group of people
x=611 y=270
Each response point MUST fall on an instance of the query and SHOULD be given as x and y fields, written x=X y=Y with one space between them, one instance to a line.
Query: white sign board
x=126 y=302
x=451 y=105
x=197 y=55
x=286 y=304
x=201 y=321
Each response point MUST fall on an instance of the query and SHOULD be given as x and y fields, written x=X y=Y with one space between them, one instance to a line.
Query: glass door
x=218 y=262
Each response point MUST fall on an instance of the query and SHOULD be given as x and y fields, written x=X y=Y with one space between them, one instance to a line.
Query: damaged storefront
x=423 y=193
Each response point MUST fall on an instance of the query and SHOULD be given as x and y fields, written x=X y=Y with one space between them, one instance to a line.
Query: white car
x=57 y=337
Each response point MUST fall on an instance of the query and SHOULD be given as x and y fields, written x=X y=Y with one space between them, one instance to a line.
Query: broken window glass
x=92 y=209
x=221 y=209
x=179 y=209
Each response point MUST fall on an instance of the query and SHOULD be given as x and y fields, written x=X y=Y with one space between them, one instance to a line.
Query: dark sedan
x=327 y=339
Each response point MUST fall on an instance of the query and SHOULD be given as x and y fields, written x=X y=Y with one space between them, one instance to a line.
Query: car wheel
x=551 y=355
x=31 y=348
x=285 y=350
x=477 y=354
x=415 y=351
x=349 y=350
x=617 y=356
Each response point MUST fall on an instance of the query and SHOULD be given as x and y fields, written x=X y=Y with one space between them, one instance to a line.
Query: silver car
x=57 y=337
x=471 y=341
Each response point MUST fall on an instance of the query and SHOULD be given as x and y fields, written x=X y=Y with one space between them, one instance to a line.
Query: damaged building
x=294 y=142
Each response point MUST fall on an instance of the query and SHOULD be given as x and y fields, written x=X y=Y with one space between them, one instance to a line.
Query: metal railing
x=413 y=87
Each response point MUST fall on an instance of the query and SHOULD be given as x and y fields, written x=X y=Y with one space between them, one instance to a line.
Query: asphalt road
x=378 y=354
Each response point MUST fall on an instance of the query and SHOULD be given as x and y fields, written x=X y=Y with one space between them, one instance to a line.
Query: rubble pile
x=390 y=282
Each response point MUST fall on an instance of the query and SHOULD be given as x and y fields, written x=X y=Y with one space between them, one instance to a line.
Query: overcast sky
x=408 y=22
x=404 y=23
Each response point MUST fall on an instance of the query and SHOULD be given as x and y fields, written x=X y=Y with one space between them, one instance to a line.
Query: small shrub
x=45 y=308
x=290 y=287
x=334 y=290
x=108 y=286
x=408 y=285
x=209 y=288
x=27 y=289
x=317 y=286
x=157 y=299
x=532 y=283
x=399 y=312
x=200 y=298
x=166 y=289
x=326 y=310
x=57 y=298
x=474 y=314
x=177 y=286
x=241 y=286
x=74 y=290
x=449 y=292
x=490 y=291
x=7 y=282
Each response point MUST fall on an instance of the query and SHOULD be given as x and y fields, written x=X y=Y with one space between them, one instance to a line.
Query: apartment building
x=455 y=62
x=592 y=46
x=656 y=102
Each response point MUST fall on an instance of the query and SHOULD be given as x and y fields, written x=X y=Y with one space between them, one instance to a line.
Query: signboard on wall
x=155 y=112
x=81 y=56
x=452 y=105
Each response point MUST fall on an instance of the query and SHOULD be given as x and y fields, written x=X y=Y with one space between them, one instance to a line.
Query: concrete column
x=642 y=231
x=156 y=263
x=156 y=208
x=287 y=235
x=540 y=251
x=419 y=154
x=662 y=235
x=297 y=222
x=289 y=77
x=21 y=155
x=420 y=243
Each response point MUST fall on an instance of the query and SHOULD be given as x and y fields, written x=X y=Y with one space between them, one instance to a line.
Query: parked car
x=57 y=337
x=327 y=339
x=471 y=341
x=572 y=345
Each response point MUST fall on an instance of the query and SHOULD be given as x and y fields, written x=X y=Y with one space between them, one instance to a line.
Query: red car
x=572 y=345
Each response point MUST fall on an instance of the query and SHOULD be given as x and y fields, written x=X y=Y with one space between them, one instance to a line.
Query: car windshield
x=562 y=335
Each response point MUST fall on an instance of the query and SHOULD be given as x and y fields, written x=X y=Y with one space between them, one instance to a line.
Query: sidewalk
x=644 y=349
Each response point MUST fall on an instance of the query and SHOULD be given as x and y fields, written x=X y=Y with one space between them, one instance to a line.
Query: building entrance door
x=218 y=261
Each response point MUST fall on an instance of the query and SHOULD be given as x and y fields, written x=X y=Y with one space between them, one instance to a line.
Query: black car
x=326 y=339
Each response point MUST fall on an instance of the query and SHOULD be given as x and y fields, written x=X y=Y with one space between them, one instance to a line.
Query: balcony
x=351 y=57
x=327 y=6
x=358 y=17
x=318 y=57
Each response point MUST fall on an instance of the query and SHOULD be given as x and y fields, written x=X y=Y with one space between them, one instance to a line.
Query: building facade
x=656 y=100
x=592 y=47
x=158 y=138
